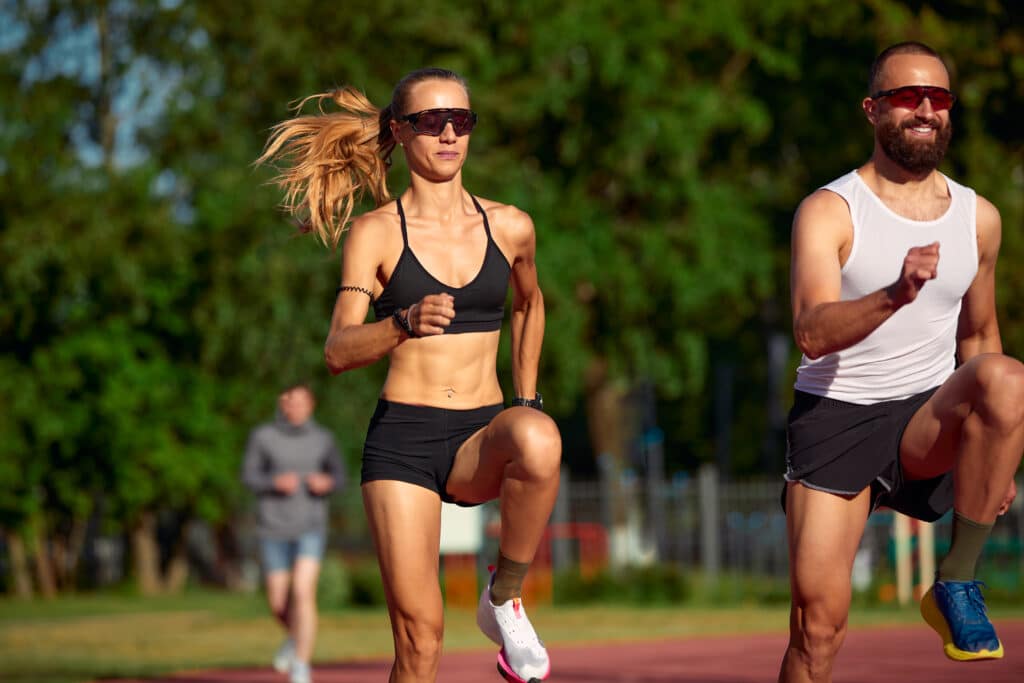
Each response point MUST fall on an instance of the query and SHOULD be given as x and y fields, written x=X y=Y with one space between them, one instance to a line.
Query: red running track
x=898 y=654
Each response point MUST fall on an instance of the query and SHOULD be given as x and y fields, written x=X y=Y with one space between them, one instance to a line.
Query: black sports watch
x=535 y=402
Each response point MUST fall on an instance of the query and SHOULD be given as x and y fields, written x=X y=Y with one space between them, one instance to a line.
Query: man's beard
x=915 y=156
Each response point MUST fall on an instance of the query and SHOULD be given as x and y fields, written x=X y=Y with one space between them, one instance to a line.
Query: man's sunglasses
x=911 y=96
x=433 y=121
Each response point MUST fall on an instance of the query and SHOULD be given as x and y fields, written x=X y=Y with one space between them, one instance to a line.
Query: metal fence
x=702 y=524
x=697 y=523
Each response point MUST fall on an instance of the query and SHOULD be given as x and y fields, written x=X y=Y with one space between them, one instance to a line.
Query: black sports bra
x=479 y=304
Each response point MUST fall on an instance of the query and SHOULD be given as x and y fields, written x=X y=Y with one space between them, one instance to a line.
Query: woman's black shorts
x=417 y=444
x=844 y=448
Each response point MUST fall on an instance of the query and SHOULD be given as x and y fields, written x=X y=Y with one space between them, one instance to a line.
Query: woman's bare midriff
x=455 y=371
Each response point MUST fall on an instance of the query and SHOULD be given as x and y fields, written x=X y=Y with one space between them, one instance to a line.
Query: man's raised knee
x=1000 y=381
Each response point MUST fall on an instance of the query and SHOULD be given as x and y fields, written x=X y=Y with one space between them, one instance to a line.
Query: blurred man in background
x=292 y=465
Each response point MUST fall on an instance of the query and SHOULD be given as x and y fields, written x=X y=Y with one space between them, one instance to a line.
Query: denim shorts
x=279 y=555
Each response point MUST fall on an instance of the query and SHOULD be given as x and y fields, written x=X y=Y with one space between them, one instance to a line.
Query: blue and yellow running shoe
x=956 y=610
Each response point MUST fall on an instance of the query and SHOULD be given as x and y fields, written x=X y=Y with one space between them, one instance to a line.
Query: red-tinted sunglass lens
x=940 y=99
x=912 y=96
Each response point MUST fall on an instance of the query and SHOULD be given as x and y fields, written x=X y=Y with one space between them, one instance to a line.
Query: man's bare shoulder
x=989 y=226
x=824 y=206
x=987 y=214
x=823 y=222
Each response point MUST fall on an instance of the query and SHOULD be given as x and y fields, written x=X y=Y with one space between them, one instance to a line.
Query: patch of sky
x=12 y=32
x=72 y=52
x=139 y=103
x=140 y=89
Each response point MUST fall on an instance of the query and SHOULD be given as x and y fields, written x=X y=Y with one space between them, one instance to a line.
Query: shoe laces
x=519 y=629
x=969 y=603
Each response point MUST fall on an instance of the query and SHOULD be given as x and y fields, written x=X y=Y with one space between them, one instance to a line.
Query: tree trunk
x=146 y=554
x=106 y=119
x=606 y=425
x=228 y=557
x=75 y=545
x=177 y=569
x=59 y=553
x=19 y=566
x=44 y=566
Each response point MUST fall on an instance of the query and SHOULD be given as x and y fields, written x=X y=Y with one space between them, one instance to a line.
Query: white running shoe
x=284 y=657
x=300 y=673
x=522 y=658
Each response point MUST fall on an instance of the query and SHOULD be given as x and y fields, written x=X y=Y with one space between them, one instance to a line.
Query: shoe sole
x=506 y=672
x=513 y=678
x=933 y=617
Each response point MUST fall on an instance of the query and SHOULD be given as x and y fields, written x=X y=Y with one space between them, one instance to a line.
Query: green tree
x=156 y=298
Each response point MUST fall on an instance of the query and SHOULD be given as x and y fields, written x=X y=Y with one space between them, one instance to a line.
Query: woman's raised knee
x=540 y=446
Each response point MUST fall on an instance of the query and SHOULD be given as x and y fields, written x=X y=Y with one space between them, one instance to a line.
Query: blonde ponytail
x=332 y=160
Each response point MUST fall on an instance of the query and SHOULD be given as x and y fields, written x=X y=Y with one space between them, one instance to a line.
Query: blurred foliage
x=366 y=587
x=155 y=299
x=659 y=584
x=334 y=587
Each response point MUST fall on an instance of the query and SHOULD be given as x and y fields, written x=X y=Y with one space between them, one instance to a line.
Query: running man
x=292 y=465
x=903 y=397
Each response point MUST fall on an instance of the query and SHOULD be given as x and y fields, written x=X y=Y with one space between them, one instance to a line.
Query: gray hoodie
x=276 y=448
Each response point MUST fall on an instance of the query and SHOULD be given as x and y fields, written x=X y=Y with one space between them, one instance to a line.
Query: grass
x=82 y=638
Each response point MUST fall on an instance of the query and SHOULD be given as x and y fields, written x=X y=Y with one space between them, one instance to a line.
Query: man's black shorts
x=844 y=448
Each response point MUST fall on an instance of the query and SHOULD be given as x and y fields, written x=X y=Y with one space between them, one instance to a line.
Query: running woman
x=435 y=264
x=903 y=397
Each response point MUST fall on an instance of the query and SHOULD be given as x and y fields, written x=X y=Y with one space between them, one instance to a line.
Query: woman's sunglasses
x=433 y=121
x=911 y=96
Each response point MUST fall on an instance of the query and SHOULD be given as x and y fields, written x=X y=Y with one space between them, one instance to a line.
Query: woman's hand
x=432 y=314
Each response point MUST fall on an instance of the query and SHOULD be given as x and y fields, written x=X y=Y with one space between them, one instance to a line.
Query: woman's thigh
x=405 y=522
x=513 y=439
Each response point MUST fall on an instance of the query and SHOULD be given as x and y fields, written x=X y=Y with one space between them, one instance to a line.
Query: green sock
x=508 y=580
x=968 y=541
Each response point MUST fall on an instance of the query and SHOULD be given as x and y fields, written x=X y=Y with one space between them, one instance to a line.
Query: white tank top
x=915 y=349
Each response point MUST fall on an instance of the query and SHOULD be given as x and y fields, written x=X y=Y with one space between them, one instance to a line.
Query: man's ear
x=870 y=108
